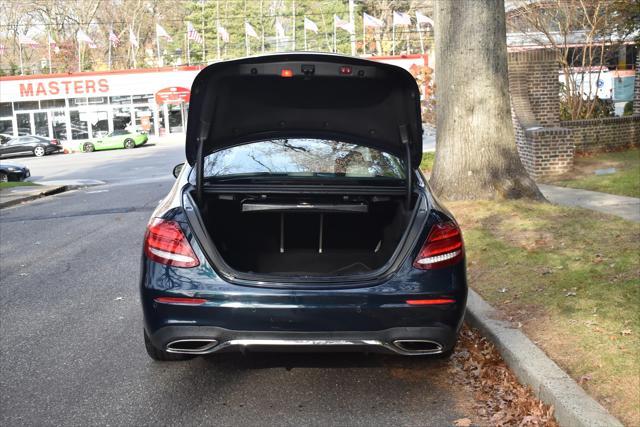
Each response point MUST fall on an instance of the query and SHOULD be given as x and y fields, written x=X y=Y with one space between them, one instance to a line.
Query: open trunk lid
x=304 y=94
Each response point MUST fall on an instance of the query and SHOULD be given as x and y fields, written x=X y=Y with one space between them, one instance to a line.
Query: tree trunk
x=476 y=154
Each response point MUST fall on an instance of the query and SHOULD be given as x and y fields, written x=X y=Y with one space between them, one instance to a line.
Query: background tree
x=476 y=156
x=586 y=35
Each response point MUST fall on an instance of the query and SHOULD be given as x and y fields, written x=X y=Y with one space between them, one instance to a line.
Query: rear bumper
x=401 y=340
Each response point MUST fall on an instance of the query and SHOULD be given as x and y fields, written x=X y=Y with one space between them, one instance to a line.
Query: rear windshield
x=303 y=157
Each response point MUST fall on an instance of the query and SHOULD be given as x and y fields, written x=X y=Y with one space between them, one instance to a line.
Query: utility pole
x=293 y=9
x=204 y=58
x=218 y=28
x=353 y=24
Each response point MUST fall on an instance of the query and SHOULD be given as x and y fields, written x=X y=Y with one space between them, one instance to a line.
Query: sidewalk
x=16 y=195
x=622 y=206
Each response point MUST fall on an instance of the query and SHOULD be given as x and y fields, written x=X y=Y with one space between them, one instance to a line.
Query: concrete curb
x=573 y=406
x=48 y=192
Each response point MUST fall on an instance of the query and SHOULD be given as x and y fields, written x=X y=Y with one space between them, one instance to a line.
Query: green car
x=116 y=139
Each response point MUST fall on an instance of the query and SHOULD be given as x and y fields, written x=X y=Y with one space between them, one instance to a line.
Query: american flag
x=192 y=34
x=115 y=41
x=24 y=39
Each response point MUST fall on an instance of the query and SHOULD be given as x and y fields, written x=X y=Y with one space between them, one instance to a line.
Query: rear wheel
x=161 y=355
x=4 y=177
x=39 y=151
x=128 y=143
x=88 y=147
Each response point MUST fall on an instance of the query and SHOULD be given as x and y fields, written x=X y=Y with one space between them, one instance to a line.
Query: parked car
x=116 y=139
x=13 y=172
x=35 y=144
x=4 y=137
x=301 y=219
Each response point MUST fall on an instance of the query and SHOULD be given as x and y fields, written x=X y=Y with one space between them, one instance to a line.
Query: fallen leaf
x=584 y=378
x=462 y=422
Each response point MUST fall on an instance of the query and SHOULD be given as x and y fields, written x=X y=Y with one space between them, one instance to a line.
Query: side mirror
x=177 y=169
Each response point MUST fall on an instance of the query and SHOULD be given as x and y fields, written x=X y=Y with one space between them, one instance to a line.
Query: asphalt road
x=71 y=335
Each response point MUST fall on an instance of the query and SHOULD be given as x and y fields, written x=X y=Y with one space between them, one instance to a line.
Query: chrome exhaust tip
x=418 y=346
x=191 y=346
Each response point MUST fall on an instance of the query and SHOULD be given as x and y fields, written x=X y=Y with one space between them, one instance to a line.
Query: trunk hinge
x=204 y=132
x=404 y=137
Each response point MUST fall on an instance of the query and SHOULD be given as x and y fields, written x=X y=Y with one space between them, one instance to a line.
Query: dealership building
x=89 y=105
x=80 y=106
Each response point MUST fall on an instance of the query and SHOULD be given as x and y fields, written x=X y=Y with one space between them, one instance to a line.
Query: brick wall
x=608 y=133
x=545 y=147
x=636 y=89
x=540 y=79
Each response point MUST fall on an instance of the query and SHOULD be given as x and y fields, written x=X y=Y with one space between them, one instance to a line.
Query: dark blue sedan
x=300 y=220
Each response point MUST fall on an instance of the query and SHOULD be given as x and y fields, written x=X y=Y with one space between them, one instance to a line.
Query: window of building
x=52 y=103
x=26 y=105
x=75 y=102
x=79 y=125
x=41 y=123
x=59 y=125
x=23 y=121
x=144 y=120
x=143 y=99
x=6 y=110
x=6 y=126
x=99 y=123
x=98 y=100
x=121 y=118
x=120 y=99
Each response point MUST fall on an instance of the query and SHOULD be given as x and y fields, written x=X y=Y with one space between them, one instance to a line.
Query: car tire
x=39 y=151
x=129 y=143
x=88 y=147
x=161 y=355
x=4 y=177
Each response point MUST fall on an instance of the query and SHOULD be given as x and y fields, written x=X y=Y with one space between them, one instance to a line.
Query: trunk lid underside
x=368 y=102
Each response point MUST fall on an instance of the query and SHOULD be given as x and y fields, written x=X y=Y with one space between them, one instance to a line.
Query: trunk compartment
x=315 y=235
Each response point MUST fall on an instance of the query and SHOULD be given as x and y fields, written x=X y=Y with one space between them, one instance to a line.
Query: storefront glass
x=175 y=118
x=24 y=123
x=41 y=123
x=99 y=123
x=59 y=124
x=6 y=126
x=144 y=120
x=52 y=103
x=79 y=124
x=121 y=118
x=6 y=109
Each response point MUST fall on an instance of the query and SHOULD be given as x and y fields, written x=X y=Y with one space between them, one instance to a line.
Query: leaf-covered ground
x=500 y=398
x=571 y=279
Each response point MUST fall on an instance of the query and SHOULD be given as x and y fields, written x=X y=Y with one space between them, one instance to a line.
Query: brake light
x=443 y=247
x=437 y=301
x=179 y=300
x=54 y=142
x=286 y=72
x=166 y=243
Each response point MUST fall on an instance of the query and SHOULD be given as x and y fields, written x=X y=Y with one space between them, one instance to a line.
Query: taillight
x=443 y=247
x=54 y=141
x=165 y=243
x=286 y=72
